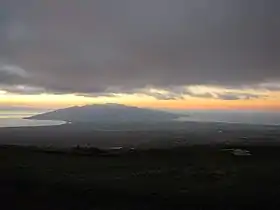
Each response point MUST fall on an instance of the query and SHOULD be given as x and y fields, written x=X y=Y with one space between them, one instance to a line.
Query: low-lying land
x=140 y=135
x=181 y=165
x=195 y=176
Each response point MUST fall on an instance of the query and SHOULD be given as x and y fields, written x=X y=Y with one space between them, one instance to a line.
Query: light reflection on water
x=17 y=114
x=14 y=116
x=15 y=119
x=16 y=122
x=244 y=117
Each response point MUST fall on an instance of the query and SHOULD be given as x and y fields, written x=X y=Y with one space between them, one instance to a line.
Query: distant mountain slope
x=106 y=113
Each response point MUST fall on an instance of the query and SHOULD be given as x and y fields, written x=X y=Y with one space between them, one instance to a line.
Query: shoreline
x=24 y=122
x=187 y=121
x=162 y=135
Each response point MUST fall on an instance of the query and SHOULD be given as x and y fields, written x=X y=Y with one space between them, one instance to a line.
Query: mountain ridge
x=106 y=113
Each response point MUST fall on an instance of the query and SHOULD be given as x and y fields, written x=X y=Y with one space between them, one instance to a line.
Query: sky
x=179 y=54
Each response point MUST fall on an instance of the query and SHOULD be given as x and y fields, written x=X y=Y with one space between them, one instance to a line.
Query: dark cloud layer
x=10 y=75
x=92 y=46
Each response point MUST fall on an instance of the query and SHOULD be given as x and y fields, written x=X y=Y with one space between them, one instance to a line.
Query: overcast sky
x=101 y=47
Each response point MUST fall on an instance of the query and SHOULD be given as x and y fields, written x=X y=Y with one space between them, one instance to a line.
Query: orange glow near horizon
x=58 y=101
x=218 y=104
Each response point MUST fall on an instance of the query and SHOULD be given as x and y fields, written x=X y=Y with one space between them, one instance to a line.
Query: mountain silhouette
x=106 y=113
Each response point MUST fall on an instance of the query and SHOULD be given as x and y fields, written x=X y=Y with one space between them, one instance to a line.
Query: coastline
x=162 y=135
x=25 y=122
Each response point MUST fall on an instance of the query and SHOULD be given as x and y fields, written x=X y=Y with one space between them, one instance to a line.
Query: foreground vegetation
x=193 y=176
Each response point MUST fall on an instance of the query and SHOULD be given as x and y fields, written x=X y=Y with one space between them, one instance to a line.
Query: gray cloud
x=166 y=96
x=21 y=108
x=11 y=75
x=22 y=89
x=88 y=46
x=228 y=97
x=272 y=86
x=238 y=96
x=201 y=95
x=172 y=95
x=7 y=78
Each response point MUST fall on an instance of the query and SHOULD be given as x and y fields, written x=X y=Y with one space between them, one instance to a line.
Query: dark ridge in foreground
x=106 y=113
x=194 y=177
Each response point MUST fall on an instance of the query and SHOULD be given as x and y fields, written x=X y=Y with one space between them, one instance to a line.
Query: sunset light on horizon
x=148 y=53
x=267 y=101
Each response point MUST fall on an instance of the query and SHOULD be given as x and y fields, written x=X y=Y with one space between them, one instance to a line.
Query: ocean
x=240 y=117
x=16 y=114
x=14 y=118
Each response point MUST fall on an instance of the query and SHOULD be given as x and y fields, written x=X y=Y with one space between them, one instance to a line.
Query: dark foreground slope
x=195 y=177
x=106 y=113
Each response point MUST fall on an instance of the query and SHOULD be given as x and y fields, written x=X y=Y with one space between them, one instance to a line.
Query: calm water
x=244 y=117
x=14 y=119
